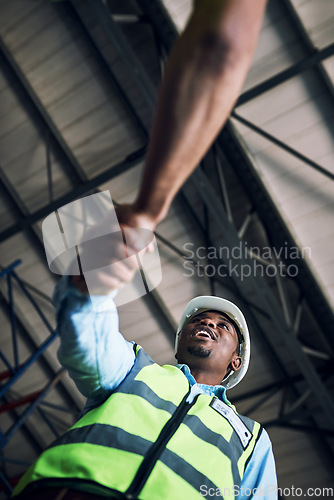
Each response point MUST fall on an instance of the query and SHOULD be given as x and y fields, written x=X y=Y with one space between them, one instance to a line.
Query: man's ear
x=236 y=363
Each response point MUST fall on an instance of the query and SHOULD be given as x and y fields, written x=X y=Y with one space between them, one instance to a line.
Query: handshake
x=103 y=248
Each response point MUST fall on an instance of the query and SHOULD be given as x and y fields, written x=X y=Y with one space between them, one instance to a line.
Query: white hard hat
x=209 y=303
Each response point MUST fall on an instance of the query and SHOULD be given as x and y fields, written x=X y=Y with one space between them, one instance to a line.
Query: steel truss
x=16 y=369
x=74 y=171
x=309 y=62
x=283 y=146
x=72 y=167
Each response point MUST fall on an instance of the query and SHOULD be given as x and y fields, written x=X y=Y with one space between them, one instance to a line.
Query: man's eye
x=223 y=325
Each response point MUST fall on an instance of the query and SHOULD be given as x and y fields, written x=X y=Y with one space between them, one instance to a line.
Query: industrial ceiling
x=254 y=223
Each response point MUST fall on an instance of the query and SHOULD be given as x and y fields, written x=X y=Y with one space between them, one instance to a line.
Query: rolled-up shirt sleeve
x=92 y=349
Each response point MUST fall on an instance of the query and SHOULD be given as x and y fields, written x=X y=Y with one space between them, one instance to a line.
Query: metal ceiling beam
x=27 y=429
x=159 y=310
x=33 y=406
x=15 y=403
x=33 y=346
x=285 y=382
x=153 y=300
x=249 y=307
x=122 y=47
x=13 y=199
x=28 y=97
x=291 y=15
x=264 y=296
x=129 y=162
x=292 y=71
x=36 y=238
x=283 y=145
x=13 y=71
x=70 y=9
x=280 y=422
x=276 y=227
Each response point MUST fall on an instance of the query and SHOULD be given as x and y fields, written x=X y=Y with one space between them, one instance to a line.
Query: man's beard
x=199 y=351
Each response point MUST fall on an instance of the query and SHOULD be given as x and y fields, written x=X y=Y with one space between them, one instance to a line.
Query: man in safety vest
x=150 y=431
x=164 y=432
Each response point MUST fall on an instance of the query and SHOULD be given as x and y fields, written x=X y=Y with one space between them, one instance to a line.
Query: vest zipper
x=157 y=448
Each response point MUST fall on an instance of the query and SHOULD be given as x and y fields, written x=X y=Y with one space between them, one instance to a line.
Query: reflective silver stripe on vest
x=185 y=470
x=231 y=448
x=107 y=436
x=131 y=386
x=114 y=437
x=143 y=390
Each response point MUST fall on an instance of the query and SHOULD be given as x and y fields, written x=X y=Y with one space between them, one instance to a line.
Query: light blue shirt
x=98 y=358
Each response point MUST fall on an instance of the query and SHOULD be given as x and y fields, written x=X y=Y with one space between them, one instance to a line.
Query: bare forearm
x=203 y=79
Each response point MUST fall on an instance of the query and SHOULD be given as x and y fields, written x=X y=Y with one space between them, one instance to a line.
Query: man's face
x=209 y=345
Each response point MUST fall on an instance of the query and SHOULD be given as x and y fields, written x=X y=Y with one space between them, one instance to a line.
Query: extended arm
x=202 y=81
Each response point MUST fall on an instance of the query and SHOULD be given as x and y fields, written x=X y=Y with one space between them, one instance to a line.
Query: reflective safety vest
x=146 y=441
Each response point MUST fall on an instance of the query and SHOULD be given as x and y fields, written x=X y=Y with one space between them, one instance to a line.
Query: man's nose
x=208 y=322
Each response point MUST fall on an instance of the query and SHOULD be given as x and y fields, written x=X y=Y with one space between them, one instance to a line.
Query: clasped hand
x=110 y=260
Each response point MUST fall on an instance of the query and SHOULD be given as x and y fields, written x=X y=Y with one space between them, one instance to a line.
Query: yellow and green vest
x=146 y=441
